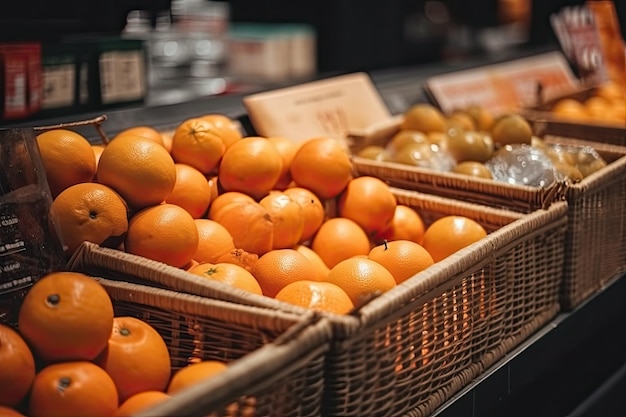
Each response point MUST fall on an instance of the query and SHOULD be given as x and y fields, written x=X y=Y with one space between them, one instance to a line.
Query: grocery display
x=439 y=240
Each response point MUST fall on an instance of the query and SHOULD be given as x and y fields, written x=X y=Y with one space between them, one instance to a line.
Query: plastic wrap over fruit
x=424 y=155
x=522 y=165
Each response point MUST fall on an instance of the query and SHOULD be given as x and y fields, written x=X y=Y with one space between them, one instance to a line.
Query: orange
x=9 y=412
x=569 y=108
x=280 y=267
x=140 y=170
x=403 y=258
x=194 y=373
x=226 y=198
x=136 y=358
x=323 y=166
x=287 y=218
x=146 y=132
x=424 y=117
x=191 y=191
x=165 y=233
x=313 y=213
x=369 y=202
x=197 y=143
x=287 y=150
x=230 y=274
x=168 y=138
x=361 y=278
x=140 y=402
x=89 y=212
x=224 y=127
x=597 y=107
x=18 y=367
x=318 y=296
x=67 y=159
x=97 y=151
x=73 y=389
x=251 y=166
x=338 y=239
x=214 y=241
x=406 y=224
x=240 y=257
x=250 y=225
x=320 y=270
x=66 y=316
x=449 y=234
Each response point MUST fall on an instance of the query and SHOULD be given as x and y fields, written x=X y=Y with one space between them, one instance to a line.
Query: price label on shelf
x=330 y=107
x=503 y=87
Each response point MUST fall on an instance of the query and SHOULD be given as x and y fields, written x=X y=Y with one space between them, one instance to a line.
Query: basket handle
x=96 y=122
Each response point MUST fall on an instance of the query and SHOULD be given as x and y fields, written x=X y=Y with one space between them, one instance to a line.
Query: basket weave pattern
x=196 y=328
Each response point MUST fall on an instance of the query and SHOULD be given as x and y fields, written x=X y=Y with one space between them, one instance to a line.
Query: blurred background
x=96 y=54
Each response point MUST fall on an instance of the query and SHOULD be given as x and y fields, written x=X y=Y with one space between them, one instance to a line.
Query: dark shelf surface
x=571 y=367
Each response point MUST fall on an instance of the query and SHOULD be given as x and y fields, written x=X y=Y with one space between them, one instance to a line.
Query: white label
x=58 y=86
x=122 y=76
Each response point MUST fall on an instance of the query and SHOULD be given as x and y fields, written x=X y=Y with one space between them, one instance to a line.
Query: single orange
x=226 y=198
x=140 y=402
x=191 y=191
x=73 y=389
x=89 y=212
x=147 y=132
x=18 y=367
x=403 y=258
x=339 y=238
x=66 y=316
x=287 y=219
x=194 y=373
x=251 y=166
x=67 y=158
x=224 y=127
x=323 y=166
x=214 y=241
x=141 y=171
x=230 y=274
x=313 y=212
x=449 y=234
x=168 y=138
x=320 y=270
x=369 y=202
x=279 y=267
x=361 y=278
x=318 y=296
x=406 y=224
x=287 y=150
x=136 y=358
x=250 y=225
x=166 y=233
x=97 y=151
x=197 y=143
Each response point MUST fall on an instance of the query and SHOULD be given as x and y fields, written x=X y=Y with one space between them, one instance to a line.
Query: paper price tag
x=503 y=87
x=577 y=32
x=331 y=107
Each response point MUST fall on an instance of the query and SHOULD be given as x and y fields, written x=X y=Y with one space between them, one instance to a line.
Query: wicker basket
x=596 y=242
x=411 y=349
x=275 y=358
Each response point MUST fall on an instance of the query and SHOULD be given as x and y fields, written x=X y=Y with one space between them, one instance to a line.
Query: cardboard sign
x=503 y=87
x=331 y=107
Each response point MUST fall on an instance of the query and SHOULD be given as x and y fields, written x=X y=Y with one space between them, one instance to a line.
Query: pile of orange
x=605 y=104
x=73 y=357
x=264 y=215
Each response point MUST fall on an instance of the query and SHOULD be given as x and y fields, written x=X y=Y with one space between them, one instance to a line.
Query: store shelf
x=574 y=366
